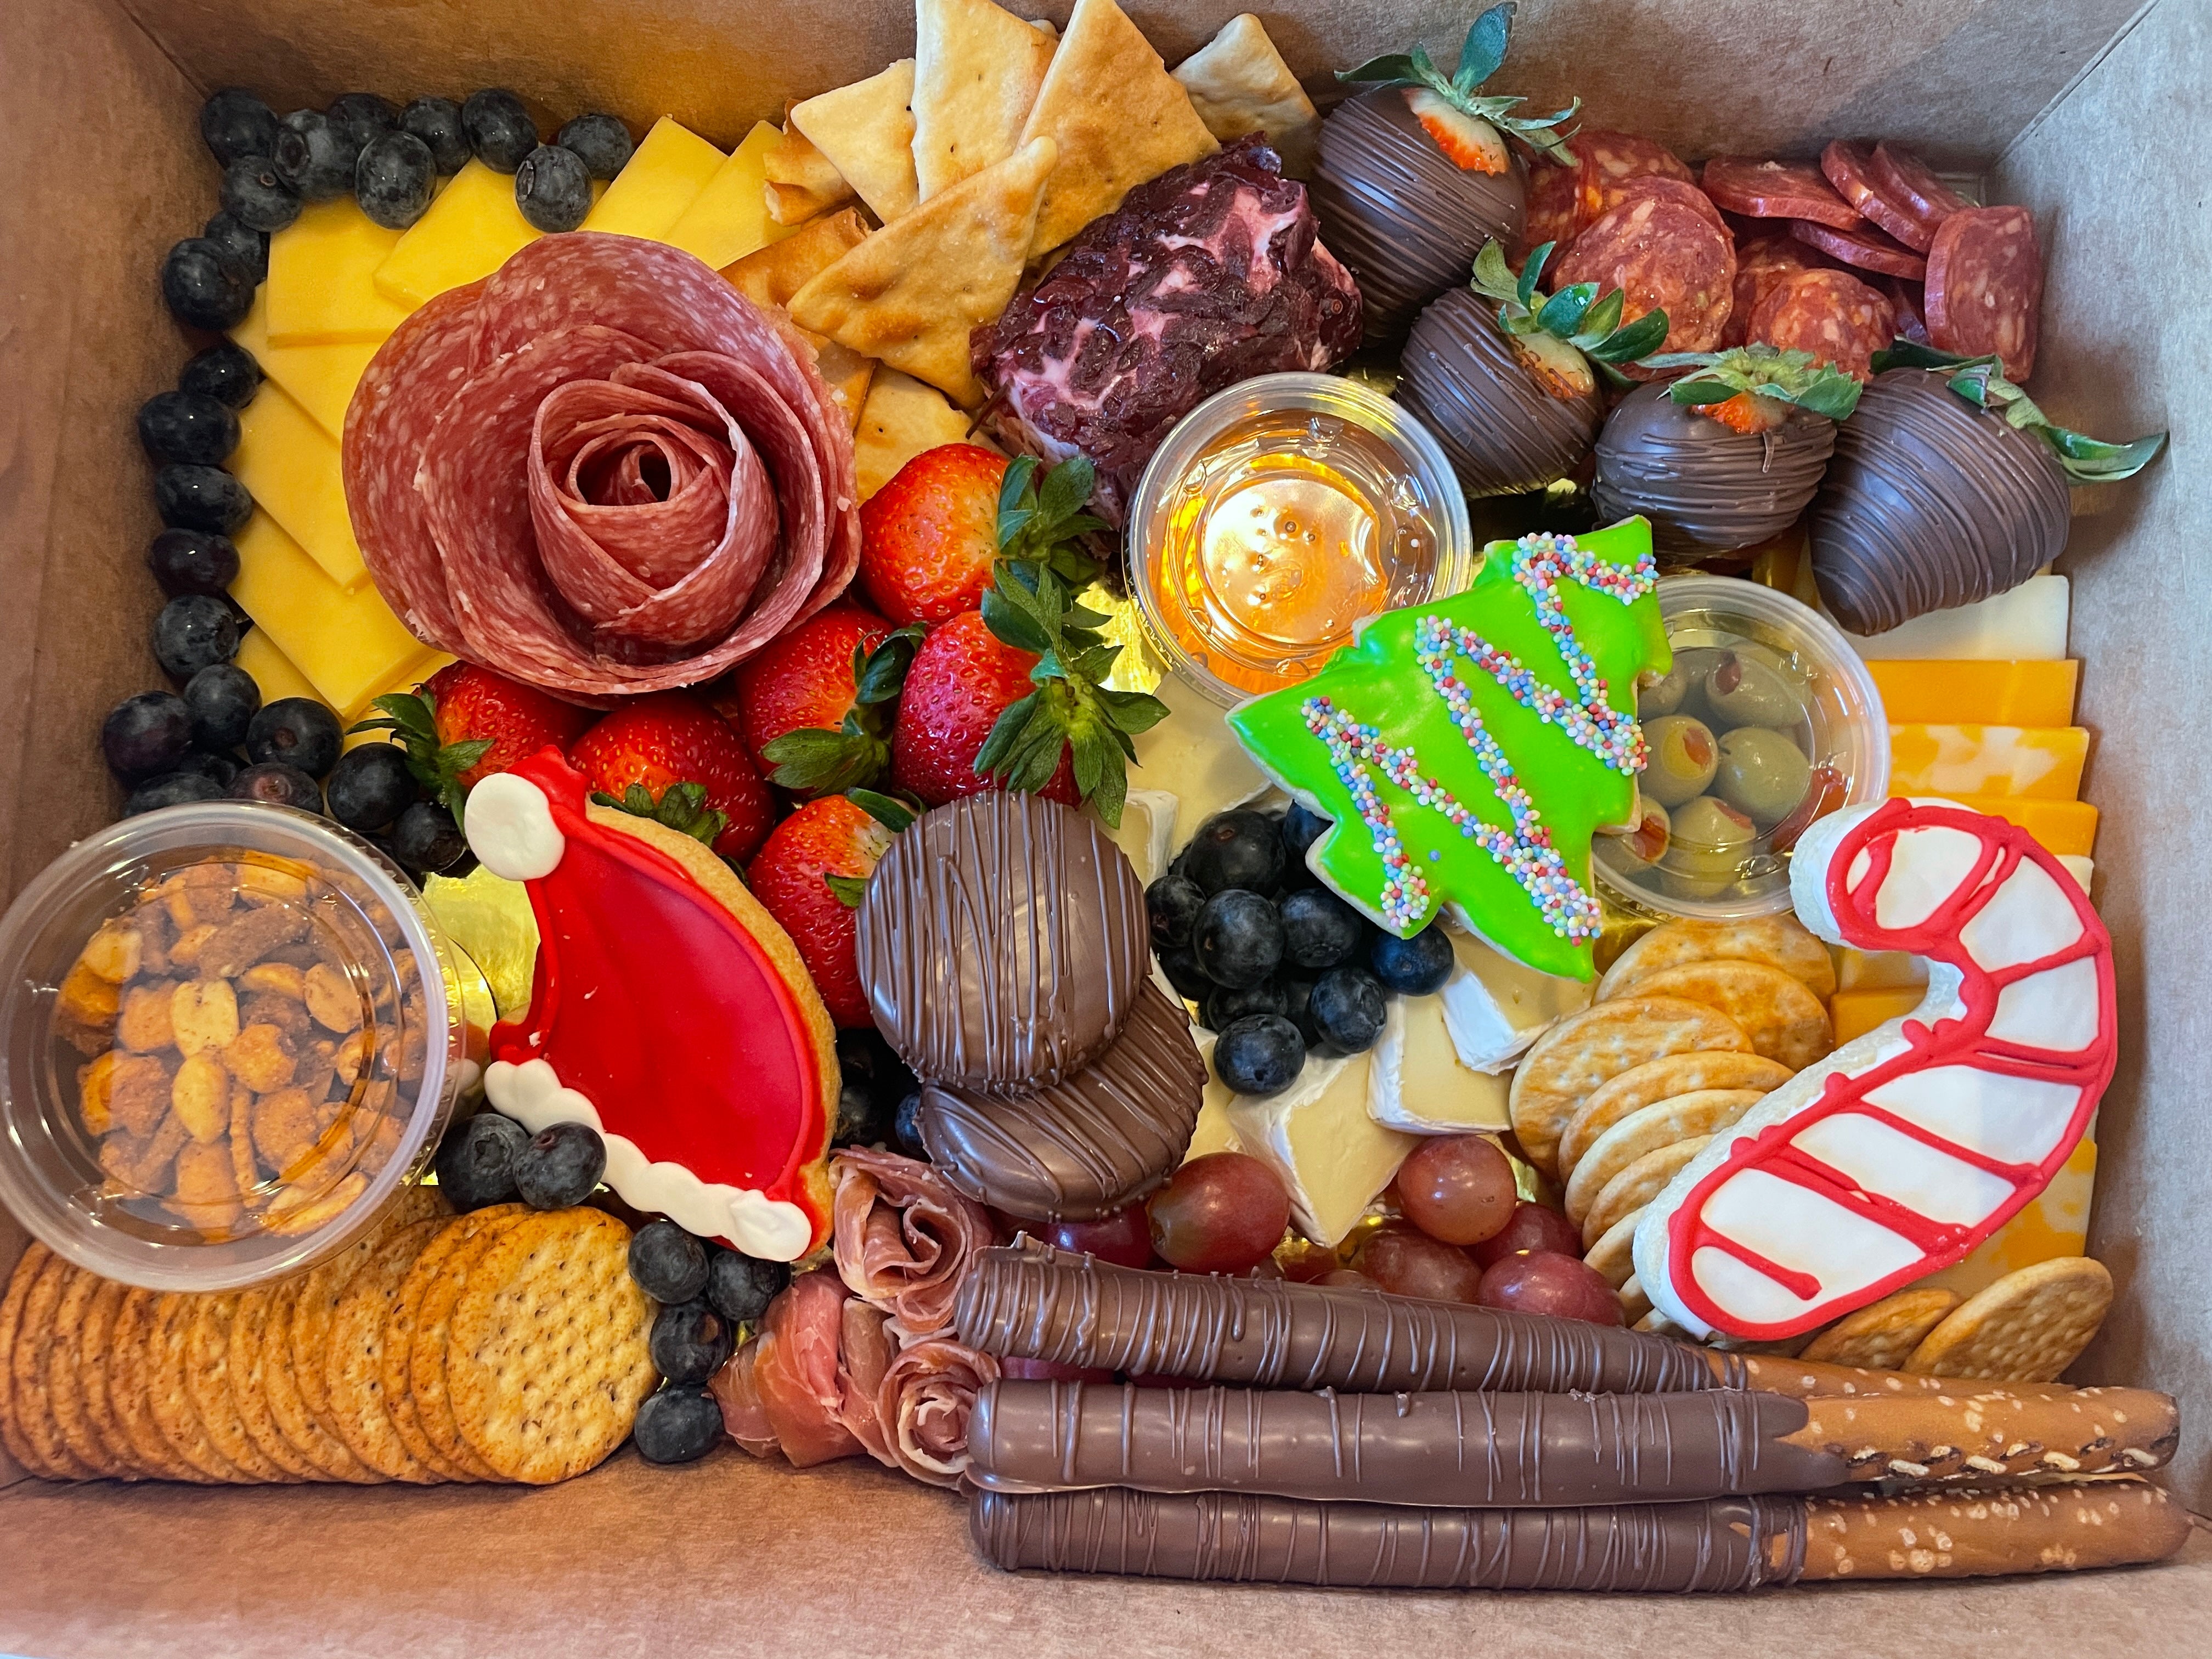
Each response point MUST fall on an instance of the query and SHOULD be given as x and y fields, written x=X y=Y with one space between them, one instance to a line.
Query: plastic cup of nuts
x=232 y=1033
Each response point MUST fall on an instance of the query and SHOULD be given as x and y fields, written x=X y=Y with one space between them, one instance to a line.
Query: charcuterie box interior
x=770 y=313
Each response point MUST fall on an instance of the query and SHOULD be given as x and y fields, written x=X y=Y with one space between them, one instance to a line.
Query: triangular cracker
x=1119 y=117
x=771 y=276
x=976 y=71
x=801 y=180
x=911 y=293
x=902 y=418
x=1239 y=83
x=866 y=131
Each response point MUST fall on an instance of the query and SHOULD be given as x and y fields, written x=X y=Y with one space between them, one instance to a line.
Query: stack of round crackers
x=505 y=1345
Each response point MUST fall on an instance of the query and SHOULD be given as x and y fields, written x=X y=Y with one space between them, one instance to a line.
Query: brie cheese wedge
x=1316 y=1135
x=1420 y=1085
x=1495 y=1008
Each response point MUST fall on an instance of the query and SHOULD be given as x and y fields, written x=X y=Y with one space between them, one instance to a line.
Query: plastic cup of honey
x=230 y=1033
x=1279 y=515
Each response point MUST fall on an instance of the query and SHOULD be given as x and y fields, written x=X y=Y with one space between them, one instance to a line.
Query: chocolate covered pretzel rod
x=1720 y=1544
x=1485 y=1450
x=1986 y=1436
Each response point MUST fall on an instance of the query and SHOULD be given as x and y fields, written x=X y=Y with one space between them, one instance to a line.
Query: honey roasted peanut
x=203 y=1014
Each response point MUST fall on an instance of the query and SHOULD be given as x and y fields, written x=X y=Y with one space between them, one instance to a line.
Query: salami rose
x=1662 y=256
x=601 y=471
x=904 y=1238
x=926 y=1398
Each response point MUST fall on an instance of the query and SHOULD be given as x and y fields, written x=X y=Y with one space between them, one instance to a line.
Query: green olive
x=1643 y=844
x=1743 y=691
x=1708 y=842
x=1762 y=772
x=1665 y=695
x=1682 y=757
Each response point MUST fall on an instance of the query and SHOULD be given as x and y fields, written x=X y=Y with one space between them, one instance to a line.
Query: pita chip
x=865 y=131
x=976 y=71
x=902 y=418
x=1239 y=83
x=911 y=294
x=771 y=275
x=1119 y=117
x=801 y=180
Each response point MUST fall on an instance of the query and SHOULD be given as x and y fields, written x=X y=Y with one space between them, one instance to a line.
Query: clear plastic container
x=1278 y=514
x=233 y=1117
x=1764 y=692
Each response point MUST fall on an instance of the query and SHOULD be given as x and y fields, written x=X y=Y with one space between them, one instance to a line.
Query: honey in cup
x=1279 y=515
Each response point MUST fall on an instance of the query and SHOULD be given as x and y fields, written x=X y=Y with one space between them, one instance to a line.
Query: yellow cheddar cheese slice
x=469 y=232
x=2037 y=762
x=405 y=680
x=289 y=464
x=272 y=671
x=321 y=378
x=728 y=219
x=322 y=278
x=2064 y=827
x=2054 y=1224
x=349 y=645
x=1990 y=693
x=663 y=176
x=1857 y=1013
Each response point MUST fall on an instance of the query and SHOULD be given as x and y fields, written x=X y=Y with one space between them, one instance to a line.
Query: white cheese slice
x=1194 y=751
x=1495 y=1007
x=2025 y=624
x=1146 y=835
x=2081 y=869
x=1214 y=1133
x=1417 y=1083
x=1317 y=1136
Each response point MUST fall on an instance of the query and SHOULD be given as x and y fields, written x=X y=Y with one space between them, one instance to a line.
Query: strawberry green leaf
x=682 y=807
x=1131 y=711
x=1393 y=69
x=1524 y=291
x=812 y=760
x=1492 y=277
x=1483 y=53
x=1007 y=618
x=849 y=890
x=992 y=758
x=1564 y=310
x=889 y=811
x=1626 y=345
x=1113 y=791
x=1599 y=321
x=879 y=677
x=1765 y=371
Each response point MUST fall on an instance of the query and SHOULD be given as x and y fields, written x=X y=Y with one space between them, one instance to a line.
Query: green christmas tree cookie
x=1465 y=751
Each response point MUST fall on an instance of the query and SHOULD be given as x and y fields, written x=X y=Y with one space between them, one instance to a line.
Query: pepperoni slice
x=1776 y=189
x=1605 y=162
x=1664 y=187
x=1662 y=255
x=1907 y=307
x=1906 y=179
x=1551 y=214
x=1830 y=313
x=1850 y=168
x=1986 y=287
x=1761 y=263
x=1864 y=246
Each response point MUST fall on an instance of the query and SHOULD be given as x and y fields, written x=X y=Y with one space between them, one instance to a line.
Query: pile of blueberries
x=706 y=1290
x=389 y=158
x=1279 y=967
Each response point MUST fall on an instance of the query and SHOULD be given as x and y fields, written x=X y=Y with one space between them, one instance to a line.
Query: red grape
x=1532 y=1227
x=1050 y=1370
x=1348 y=1279
x=1221 y=1213
x=1458 y=1188
x=1124 y=1237
x=1304 y=1262
x=1406 y=1261
x=1547 y=1282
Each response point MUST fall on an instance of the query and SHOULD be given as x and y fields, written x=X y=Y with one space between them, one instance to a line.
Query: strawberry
x=1471 y=142
x=1748 y=412
x=465 y=723
x=928 y=537
x=814 y=708
x=657 y=744
x=809 y=875
x=962 y=680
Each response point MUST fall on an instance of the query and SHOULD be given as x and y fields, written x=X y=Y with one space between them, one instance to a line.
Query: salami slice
x=1907 y=178
x=1984 y=290
x=1663 y=187
x=1662 y=255
x=1775 y=189
x=1605 y=162
x=1554 y=214
x=1850 y=168
x=1864 y=246
x=1831 y=313
x=1762 y=262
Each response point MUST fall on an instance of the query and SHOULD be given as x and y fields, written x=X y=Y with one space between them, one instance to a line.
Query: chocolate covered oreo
x=1003 y=942
x=1706 y=488
x=1502 y=432
x=1084 y=1147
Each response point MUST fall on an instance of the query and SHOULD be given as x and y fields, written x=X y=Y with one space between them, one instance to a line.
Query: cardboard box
x=2088 y=110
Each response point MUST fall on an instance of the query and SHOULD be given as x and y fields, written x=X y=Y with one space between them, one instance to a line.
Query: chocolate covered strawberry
x=670 y=757
x=809 y=875
x=814 y=709
x=465 y=723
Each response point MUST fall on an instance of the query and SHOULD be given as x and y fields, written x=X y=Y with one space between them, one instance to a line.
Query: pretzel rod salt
x=1718 y=1545
x=1985 y=1436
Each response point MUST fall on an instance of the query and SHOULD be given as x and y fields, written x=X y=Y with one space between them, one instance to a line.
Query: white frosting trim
x=511 y=829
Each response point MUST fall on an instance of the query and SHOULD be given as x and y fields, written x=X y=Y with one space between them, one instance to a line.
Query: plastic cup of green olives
x=1767 y=721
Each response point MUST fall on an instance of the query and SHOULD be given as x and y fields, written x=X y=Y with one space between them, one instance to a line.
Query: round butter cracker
x=353 y=1378
x=1586 y=1050
x=1882 y=1335
x=2026 y=1328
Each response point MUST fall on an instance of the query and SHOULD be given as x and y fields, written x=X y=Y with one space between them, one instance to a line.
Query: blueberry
x=860 y=1120
x=560 y=1165
x=1301 y=830
x=553 y=188
x=1236 y=848
x=1346 y=1010
x=873 y=1080
x=1259 y=1054
x=1225 y=1008
x=235 y=122
x=275 y=784
x=225 y=372
x=256 y=196
x=906 y=1124
x=739 y=1287
x=1297 y=1004
x=475 y=1161
x=246 y=248
x=602 y=142
x=201 y=498
x=298 y=731
x=500 y=129
x=690 y=1342
x=1174 y=904
x=437 y=123
x=184 y=426
x=1320 y=930
x=395 y=179
x=1181 y=965
x=170 y=789
x=192 y=561
x=314 y=157
x=370 y=786
x=202 y=288
x=194 y=631
x=208 y=763
x=1412 y=967
x=679 y=1425
x=362 y=117
x=146 y=735
x=1238 y=939
x=224 y=700
x=668 y=1263
x=426 y=841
